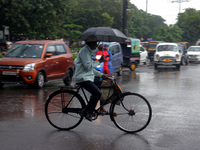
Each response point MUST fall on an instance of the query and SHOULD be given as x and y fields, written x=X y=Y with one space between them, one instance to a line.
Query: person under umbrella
x=85 y=72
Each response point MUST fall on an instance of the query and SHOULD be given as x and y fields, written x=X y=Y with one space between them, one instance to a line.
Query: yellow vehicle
x=185 y=44
x=131 y=53
x=9 y=44
x=151 y=49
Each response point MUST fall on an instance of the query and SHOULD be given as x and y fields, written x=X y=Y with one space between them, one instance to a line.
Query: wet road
x=173 y=95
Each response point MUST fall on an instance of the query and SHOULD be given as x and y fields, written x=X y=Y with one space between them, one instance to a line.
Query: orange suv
x=35 y=62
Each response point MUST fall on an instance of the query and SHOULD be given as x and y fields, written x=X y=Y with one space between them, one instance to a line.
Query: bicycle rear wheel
x=133 y=114
x=62 y=109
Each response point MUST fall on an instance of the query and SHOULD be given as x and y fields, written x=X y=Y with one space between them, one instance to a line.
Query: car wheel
x=178 y=66
x=1 y=84
x=119 y=73
x=145 y=61
x=155 y=66
x=182 y=61
x=132 y=67
x=68 y=77
x=187 y=61
x=39 y=82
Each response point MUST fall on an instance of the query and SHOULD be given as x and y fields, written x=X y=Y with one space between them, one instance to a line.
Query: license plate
x=134 y=58
x=10 y=73
x=167 y=64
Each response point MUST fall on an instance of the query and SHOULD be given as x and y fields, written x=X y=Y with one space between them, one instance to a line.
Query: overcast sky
x=165 y=8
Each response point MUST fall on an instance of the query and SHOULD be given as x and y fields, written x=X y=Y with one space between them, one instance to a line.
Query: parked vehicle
x=145 y=44
x=131 y=53
x=143 y=55
x=35 y=62
x=151 y=49
x=127 y=54
x=117 y=57
x=194 y=53
x=167 y=54
x=184 y=55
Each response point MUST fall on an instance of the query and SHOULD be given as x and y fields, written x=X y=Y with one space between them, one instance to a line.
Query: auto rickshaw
x=131 y=53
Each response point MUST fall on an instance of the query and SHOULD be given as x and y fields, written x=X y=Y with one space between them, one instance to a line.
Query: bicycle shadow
x=130 y=141
x=99 y=140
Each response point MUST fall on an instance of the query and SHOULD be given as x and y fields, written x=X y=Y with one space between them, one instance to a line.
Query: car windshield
x=181 y=48
x=25 y=51
x=167 y=48
x=152 y=45
x=194 y=49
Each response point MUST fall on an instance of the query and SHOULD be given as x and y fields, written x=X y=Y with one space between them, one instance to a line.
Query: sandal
x=103 y=112
x=86 y=115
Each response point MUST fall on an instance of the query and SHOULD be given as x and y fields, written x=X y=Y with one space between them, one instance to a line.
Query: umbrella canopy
x=105 y=34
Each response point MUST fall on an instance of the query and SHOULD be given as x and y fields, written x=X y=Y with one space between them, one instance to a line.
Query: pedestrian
x=104 y=53
x=110 y=66
x=85 y=72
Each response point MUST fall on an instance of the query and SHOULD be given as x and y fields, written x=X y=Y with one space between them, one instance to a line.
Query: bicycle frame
x=116 y=94
x=125 y=110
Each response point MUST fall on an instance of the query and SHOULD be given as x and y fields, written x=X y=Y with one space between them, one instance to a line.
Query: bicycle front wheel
x=132 y=114
x=62 y=109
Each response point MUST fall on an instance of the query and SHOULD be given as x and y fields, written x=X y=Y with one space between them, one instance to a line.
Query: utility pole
x=146 y=5
x=179 y=1
x=125 y=6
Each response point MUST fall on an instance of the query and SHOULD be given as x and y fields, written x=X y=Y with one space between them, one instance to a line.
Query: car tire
x=68 y=77
x=182 y=61
x=178 y=66
x=145 y=61
x=39 y=82
x=132 y=66
x=1 y=84
x=119 y=73
x=155 y=66
x=187 y=61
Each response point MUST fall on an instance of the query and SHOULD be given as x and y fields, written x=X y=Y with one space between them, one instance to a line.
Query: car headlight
x=157 y=57
x=29 y=67
x=177 y=57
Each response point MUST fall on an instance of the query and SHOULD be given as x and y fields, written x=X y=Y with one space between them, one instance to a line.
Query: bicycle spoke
x=133 y=115
x=62 y=110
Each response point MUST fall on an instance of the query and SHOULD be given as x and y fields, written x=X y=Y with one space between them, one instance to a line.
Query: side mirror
x=3 y=53
x=49 y=55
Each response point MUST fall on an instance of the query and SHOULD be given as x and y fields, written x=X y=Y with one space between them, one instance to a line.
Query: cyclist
x=85 y=72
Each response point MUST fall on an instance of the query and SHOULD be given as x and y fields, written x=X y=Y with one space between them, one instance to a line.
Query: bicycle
x=130 y=112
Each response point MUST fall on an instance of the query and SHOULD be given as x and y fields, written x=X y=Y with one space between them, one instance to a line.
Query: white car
x=167 y=54
x=143 y=55
x=194 y=53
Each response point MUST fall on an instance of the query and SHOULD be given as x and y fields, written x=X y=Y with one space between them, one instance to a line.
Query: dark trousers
x=92 y=88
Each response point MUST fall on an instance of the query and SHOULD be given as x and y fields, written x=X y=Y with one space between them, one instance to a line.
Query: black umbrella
x=105 y=34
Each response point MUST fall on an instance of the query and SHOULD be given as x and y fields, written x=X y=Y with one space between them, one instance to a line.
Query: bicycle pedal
x=104 y=113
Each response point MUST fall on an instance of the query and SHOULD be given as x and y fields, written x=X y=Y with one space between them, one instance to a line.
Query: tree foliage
x=40 y=19
x=189 y=23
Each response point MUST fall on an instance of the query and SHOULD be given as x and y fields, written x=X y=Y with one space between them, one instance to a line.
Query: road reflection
x=19 y=101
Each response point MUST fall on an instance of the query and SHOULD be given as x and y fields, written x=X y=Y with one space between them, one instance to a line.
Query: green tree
x=35 y=18
x=168 y=34
x=189 y=23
